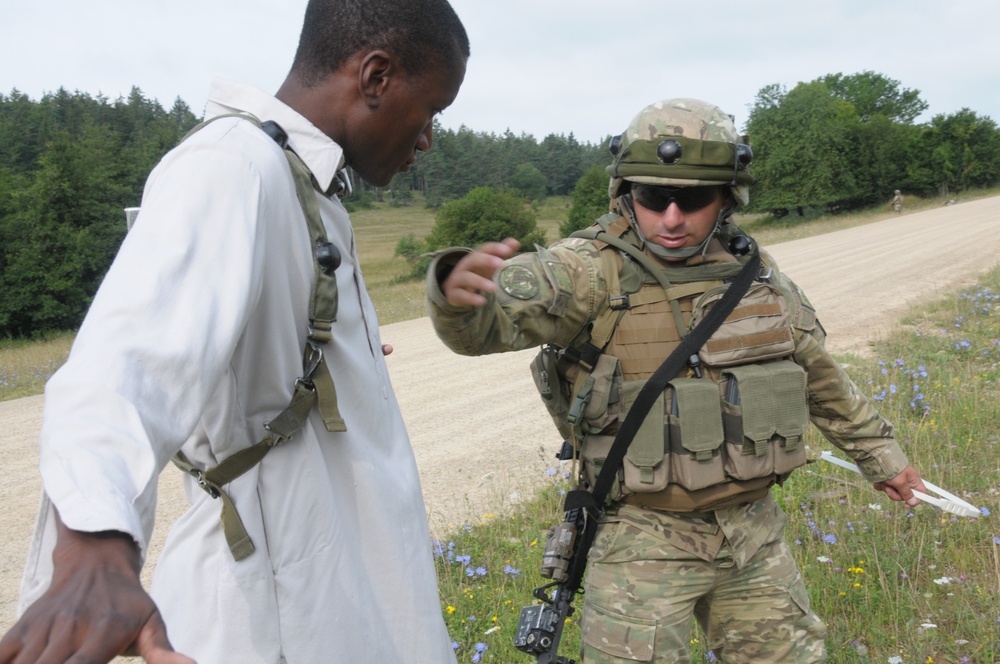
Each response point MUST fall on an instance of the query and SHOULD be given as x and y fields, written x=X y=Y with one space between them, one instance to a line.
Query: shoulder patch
x=519 y=282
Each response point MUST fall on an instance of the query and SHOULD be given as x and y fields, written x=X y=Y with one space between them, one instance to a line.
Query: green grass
x=25 y=366
x=920 y=584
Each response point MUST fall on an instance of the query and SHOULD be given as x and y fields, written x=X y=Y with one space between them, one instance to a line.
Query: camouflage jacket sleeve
x=845 y=416
x=545 y=296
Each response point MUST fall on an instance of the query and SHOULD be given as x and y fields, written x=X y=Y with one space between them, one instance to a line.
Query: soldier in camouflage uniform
x=691 y=529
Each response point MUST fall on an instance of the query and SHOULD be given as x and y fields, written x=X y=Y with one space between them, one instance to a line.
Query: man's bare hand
x=94 y=609
x=473 y=275
x=901 y=486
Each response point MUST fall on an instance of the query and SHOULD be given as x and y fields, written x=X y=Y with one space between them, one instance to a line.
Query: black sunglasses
x=688 y=199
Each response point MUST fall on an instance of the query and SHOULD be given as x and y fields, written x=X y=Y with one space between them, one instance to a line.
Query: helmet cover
x=682 y=143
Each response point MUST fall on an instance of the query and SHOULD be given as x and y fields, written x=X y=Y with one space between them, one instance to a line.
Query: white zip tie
x=948 y=502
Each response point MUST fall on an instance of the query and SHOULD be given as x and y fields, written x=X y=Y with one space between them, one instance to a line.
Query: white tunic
x=195 y=339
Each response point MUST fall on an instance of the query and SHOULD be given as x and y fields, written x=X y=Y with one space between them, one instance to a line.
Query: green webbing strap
x=314 y=387
x=323 y=298
x=652 y=268
x=327 y=398
x=281 y=428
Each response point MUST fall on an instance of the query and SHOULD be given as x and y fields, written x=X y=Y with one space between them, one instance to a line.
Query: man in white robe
x=196 y=338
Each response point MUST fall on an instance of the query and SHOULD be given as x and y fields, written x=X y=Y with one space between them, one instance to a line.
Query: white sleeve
x=157 y=339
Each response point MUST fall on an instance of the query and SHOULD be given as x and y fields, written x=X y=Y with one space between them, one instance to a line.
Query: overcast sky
x=538 y=66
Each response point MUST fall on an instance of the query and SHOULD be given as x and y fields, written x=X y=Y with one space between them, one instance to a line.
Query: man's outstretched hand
x=94 y=610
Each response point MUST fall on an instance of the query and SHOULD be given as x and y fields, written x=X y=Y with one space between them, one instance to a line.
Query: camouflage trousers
x=642 y=593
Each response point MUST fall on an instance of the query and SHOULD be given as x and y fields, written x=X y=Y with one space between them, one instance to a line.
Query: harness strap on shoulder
x=324 y=296
x=281 y=429
x=316 y=386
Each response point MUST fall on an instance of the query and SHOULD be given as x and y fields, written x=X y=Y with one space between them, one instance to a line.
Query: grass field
x=895 y=585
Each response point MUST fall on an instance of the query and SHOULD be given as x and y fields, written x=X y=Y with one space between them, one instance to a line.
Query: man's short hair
x=421 y=33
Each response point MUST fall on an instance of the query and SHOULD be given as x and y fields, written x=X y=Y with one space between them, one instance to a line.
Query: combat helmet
x=681 y=143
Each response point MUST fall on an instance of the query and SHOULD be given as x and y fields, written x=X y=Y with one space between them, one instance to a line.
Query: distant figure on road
x=897 y=202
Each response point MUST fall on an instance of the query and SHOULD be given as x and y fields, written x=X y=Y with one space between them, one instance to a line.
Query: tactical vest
x=725 y=429
x=315 y=386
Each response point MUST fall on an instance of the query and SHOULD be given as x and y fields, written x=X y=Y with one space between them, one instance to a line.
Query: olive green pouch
x=695 y=433
x=766 y=419
x=646 y=466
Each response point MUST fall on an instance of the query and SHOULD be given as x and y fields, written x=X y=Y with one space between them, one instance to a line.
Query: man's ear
x=374 y=75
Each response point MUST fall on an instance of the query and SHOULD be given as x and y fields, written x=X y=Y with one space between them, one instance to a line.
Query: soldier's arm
x=849 y=420
x=531 y=299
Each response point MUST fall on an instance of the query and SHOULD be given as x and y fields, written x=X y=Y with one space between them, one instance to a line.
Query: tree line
x=70 y=163
x=462 y=160
x=842 y=142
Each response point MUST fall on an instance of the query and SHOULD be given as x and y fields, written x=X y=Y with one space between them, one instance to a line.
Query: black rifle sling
x=593 y=501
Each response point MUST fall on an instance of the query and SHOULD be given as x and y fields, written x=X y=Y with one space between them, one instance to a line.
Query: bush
x=590 y=201
x=485 y=214
x=417 y=256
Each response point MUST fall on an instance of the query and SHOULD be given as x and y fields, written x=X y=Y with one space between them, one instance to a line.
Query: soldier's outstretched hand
x=901 y=486
x=473 y=274
x=95 y=608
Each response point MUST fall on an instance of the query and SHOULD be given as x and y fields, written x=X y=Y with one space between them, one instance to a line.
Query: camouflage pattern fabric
x=644 y=585
x=682 y=117
x=690 y=118
x=897 y=202
x=651 y=570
